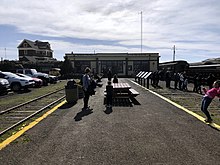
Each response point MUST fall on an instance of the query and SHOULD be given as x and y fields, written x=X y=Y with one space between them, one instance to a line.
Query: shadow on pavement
x=123 y=102
x=134 y=101
x=81 y=114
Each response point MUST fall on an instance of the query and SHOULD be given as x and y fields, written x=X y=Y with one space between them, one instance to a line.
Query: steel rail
x=22 y=104
x=30 y=116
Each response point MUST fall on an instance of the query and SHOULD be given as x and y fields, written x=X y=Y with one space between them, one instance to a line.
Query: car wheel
x=45 y=82
x=16 y=87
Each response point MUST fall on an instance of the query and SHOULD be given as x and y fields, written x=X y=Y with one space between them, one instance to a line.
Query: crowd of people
x=181 y=80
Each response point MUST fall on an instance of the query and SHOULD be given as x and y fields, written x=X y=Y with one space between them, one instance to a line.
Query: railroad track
x=16 y=115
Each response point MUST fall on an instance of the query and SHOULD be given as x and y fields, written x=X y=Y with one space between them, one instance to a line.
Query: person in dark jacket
x=168 y=79
x=109 y=91
x=109 y=75
x=115 y=79
x=210 y=80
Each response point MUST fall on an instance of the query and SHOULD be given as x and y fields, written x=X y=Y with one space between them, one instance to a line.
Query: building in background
x=36 y=51
x=36 y=54
x=122 y=64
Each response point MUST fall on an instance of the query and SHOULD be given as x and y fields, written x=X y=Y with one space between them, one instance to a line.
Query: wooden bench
x=118 y=95
x=133 y=92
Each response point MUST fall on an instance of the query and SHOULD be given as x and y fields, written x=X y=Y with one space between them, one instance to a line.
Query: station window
x=140 y=65
x=81 y=65
x=115 y=66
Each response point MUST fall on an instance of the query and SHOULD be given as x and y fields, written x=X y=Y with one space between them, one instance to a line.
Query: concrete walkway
x=151 y=131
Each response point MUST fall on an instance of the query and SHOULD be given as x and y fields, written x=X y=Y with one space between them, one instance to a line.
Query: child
x=115 y=79
x=208 y=97
x=109 y=91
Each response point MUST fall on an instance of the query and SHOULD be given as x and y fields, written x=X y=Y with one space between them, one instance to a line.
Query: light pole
x=141 y=30
x=174 y=52
x=5 y=53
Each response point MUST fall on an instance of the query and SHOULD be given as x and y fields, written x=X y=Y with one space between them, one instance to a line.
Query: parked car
x=33 y=73
x=4 y=86
x=37 y=82
x=16 y=83
x=55 y=72
x=53 y=79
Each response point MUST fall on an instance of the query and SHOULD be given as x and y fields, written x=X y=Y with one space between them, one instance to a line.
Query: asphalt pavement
x=148 y=131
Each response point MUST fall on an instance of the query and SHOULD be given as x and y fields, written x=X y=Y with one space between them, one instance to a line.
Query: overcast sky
x=100 y=26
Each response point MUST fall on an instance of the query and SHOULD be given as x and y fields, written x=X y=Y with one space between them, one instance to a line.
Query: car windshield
x=11 y=75
x=23 y=75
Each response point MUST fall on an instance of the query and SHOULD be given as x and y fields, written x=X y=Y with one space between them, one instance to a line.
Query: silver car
x=16 y=83
x=4 y=86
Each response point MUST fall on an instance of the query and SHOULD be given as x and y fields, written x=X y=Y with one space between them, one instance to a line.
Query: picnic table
x=123 y=90
x=121 y=87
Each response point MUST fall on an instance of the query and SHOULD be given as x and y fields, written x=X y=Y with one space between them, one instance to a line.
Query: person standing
x=195 y=88
x=168 y=79
x=199 y=83
x=109 y=75
x=181 y=80
x=86 y=82
x=210 y=80
x=176 y=80
x=208 y=97
x=115 y=79
x=185 y=82
x=109 y=91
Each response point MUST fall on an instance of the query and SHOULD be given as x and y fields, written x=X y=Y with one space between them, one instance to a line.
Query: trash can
x=71 y=91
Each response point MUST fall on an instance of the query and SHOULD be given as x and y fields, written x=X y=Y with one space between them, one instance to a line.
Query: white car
x=37 y=82
x=16 y=83
x=33 y=73
x=4 y=86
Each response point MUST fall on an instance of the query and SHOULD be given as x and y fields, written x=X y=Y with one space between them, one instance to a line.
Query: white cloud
x=192 y=25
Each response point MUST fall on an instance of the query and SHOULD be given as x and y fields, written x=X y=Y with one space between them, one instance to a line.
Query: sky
x=114 y=26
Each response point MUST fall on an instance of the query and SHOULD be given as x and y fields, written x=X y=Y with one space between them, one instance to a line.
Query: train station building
x=122 y=64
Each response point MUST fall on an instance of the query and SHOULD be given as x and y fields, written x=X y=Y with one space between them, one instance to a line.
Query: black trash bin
x=71 y=91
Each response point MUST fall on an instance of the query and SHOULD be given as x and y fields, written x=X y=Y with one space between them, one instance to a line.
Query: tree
x=66 y=68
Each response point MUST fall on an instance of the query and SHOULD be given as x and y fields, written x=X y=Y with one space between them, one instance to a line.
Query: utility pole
x=174 y=52
x=5 y=53
x=141 y=31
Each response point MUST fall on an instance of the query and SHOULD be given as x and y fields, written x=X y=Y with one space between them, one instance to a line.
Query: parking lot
x=24 y=79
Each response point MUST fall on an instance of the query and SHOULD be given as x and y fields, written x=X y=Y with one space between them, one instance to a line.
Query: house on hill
x=37 y=51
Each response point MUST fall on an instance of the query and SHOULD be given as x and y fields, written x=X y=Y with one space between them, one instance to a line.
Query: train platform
x=148 y=130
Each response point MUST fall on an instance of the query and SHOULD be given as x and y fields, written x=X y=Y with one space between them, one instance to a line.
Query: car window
x=12 y=75
x=27 y=72
x=2 y=75
x=19 y=71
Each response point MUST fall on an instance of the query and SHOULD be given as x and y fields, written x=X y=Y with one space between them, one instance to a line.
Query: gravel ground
x=189 y=99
